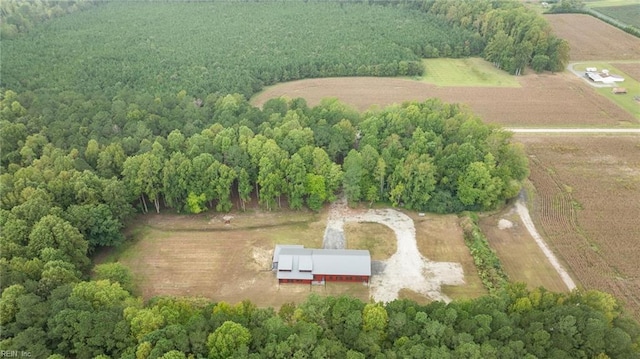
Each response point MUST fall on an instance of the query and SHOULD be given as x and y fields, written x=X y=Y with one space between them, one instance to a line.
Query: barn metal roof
x=276 y=251
x=297 y=262
x=341 y=262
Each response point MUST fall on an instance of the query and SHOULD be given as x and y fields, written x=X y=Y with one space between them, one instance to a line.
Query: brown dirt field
x=181 y=255
x=440 y=239
x=545 y=100
x=521 y=258
x=631 y=69
x=592 y=39
x=587 y=208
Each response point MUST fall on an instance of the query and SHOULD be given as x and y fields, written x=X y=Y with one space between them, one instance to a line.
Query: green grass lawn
x=474 y=72
x=626 y=101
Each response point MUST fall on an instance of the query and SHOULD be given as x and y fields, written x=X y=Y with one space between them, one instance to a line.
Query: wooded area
x=136 y=107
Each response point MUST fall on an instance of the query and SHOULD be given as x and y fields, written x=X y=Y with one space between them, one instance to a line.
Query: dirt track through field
x=523 y=212
x=407 y=268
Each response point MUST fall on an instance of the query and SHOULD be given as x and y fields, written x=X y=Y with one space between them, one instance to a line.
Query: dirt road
x=523 y=212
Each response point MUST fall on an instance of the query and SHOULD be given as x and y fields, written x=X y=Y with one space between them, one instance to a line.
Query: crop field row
x=547 y=100
x=586 y=206
x=628 y=14
x=592 y=39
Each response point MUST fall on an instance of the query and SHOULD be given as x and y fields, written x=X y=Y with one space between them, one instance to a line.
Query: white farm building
x=603 y=76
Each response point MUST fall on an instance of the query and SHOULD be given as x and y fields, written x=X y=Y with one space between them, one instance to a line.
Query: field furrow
x=586 y=207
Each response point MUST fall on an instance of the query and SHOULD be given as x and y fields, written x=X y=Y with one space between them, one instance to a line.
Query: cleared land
x=468 y=72
x=546 y=100
x=202 y=256
x=521 y=257
x=592 y=39
x=586 y=207
x=440 y=238
x=587 y=190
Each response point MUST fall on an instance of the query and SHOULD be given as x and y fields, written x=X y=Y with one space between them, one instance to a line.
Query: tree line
x=101 y=319
x=424 y=156
x=516 y=37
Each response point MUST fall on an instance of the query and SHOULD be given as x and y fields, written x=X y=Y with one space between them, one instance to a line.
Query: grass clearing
x=472 y=72
x=440 y=238
x=521 y=258
x=379 y=239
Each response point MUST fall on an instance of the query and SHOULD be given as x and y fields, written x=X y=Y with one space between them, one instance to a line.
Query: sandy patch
x=505 y=224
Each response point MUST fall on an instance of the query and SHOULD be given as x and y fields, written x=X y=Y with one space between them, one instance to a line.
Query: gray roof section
x=285 y=262
x=342 y=262
x=292 y=262
x=305 y=263
x=279 y=247
x=297 y=262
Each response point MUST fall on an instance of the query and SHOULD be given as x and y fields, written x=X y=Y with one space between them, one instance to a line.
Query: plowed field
x=592 y=39
x=587 y=206
x=547 y=100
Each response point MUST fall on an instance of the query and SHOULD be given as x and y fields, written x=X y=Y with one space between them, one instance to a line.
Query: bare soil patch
x=185 y=255
x=593 y=39
x=586 y=207
x=549 y=100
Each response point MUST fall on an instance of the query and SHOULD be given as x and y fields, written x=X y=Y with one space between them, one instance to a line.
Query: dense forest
x=119 y=108
x=100 y=319
x=59 y=205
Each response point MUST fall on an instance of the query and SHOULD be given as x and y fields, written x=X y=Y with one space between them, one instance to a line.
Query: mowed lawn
x=472 y=72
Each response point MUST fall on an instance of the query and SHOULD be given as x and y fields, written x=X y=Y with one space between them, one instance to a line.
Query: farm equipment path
x=523 y=212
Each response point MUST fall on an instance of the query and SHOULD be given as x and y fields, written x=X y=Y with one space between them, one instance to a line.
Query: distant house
x=296 y=264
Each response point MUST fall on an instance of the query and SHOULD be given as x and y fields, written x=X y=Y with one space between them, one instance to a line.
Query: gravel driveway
x=406 y=268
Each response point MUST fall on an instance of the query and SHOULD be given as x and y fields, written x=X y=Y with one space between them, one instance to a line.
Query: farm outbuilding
x=296 y=264
x=603 y=77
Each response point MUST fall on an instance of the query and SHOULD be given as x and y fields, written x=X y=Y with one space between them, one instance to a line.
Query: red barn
x=296 y=264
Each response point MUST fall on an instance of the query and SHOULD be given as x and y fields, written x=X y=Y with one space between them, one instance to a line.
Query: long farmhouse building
x=296 y=264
